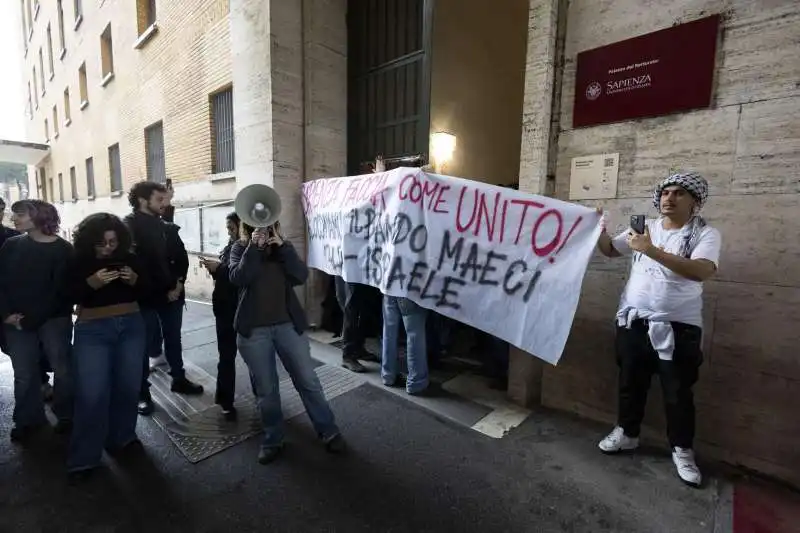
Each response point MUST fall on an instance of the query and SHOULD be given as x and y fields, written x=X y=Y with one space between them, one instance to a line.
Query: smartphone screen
x=637 y=223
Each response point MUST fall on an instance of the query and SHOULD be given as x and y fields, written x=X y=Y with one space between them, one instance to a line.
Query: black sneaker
x=63 y=427
x=184 y=386
x=80 y=476
x=336 y=444
x=267 y=455
x=364 y=355
x=131 y=450
x=23 y=434
x=229 y=413
x=353 y=366
x=145 y=406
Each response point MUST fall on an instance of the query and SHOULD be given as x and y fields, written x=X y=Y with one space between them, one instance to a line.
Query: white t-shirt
x=653 y=289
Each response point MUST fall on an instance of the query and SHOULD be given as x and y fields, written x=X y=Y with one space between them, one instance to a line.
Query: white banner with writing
x=505 y=262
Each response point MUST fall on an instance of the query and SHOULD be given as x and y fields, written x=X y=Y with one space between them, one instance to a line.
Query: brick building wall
x=168 y=78
x=748 y=147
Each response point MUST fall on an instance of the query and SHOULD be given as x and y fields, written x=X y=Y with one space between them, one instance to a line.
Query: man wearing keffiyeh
x=660 y=318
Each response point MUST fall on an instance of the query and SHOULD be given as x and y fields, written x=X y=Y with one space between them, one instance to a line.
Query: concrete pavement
x=412 y=467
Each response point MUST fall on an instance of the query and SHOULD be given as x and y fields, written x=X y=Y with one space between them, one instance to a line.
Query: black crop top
x=116 y=292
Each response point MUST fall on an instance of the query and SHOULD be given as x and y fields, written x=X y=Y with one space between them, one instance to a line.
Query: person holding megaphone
x=270 y=320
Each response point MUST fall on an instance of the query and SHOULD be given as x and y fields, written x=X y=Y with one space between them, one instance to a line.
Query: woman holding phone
x=224 y=300
x=108 y=344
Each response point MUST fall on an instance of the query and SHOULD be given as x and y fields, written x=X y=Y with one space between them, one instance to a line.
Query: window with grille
x=35 y=88
x=50 y=51
x=90 y=192
x=67 y=108
x=107 y=52
x=24 y=27
x=114 y=168
x=41 y=69
x=222 y=137
x=73 y=184
x=154 y=153
x=145 y=14
x=61 y=38
x=83 y=85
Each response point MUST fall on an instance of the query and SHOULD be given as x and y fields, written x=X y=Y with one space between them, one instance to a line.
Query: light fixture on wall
x=443 y=145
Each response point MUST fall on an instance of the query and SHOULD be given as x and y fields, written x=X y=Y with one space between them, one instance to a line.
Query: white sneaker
x=157 y=361
x=618 y=441
x=687 y=468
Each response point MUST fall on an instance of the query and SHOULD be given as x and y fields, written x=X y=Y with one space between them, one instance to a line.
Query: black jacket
x=6 y=233
x=35 y=280
x=149 y=234
x=245 y=262
x=177 y=256
x=225 y=297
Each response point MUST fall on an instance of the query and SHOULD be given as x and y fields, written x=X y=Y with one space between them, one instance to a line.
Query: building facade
x=123 y=91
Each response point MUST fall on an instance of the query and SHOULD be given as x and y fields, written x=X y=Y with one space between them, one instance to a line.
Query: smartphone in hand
x=638 y=223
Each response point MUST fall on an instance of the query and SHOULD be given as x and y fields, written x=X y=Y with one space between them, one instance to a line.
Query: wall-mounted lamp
x=443 y=145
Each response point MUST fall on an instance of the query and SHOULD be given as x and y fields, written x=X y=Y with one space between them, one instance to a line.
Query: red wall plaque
x=659 y=73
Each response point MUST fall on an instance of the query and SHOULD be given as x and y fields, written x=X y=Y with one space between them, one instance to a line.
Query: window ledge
x=25 y=55
x=30 y=33
x=107 y=79
x=75 y=200
x=62 y=53
x=44 y=92
x=146 y=36
x=116 y=194
x=222 y=176
x=36 y=11
x=84 y=104
x=90 y=198
x=78 y=22
x=67 y=122
x=56 y=136
x=52 y=75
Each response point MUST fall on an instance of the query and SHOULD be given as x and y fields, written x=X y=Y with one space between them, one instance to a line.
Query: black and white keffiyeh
x=697 y=186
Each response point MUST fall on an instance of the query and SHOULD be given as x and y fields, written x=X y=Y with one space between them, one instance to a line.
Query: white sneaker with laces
x=157 y=361
x=618 y=441
x=686 y=466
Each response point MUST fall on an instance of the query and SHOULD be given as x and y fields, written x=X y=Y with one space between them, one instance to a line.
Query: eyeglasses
x=108 y=244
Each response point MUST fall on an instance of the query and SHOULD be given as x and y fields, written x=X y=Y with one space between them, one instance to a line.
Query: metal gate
x=389 y=44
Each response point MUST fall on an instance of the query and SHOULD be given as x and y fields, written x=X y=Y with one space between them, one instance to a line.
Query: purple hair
x=43 y=215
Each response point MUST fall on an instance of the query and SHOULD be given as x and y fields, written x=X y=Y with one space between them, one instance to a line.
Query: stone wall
x=748 y=146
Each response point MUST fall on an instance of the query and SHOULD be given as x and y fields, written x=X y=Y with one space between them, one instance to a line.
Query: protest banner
x=505 y=262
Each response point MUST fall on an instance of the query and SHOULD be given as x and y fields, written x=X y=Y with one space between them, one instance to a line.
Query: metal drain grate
x=201 y=433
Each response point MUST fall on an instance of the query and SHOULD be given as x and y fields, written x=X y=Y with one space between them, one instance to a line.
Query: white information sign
x=594 y=177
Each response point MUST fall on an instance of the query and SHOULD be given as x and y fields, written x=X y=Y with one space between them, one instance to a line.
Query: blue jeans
x=258 y=351
x=164 y=323
x=413 y=317
x=26 y=348
x=107 y=355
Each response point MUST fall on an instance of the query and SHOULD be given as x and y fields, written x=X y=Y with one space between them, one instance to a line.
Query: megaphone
x=258 y=205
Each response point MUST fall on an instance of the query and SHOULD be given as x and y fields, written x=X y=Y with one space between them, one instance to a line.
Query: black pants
x=226 y=368
x=638 y=361
x=354 y=299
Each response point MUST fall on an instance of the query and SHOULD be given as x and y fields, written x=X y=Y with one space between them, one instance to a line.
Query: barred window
x=222 y=135
x=115 y=168
x=154 y=153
